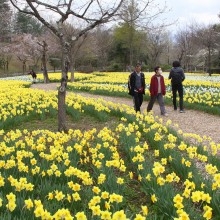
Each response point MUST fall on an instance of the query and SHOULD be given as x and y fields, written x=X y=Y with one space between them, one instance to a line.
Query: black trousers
x=138 y=100
x=177 y=88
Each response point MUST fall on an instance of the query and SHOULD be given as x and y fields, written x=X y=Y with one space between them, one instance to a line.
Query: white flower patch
x=201 y=89
x=213 y=78
x=21 y=78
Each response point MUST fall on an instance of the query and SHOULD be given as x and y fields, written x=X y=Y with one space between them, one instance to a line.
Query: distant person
x=136 y=86
x=34 y=75
x=177 y=76
x=129 y=68
x=157 y=91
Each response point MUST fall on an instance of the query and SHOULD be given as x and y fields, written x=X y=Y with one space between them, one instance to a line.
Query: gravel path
x=189 y=122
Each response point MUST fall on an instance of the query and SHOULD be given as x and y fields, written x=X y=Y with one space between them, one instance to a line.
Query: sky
x=186 y=11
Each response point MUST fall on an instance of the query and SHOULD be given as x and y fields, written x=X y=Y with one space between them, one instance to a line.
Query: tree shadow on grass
x=85 y=123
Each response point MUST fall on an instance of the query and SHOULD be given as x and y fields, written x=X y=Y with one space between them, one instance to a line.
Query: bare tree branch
x=100 y=6
x=87 y=7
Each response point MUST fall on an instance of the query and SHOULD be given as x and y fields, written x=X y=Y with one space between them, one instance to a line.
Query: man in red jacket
x=157 y=91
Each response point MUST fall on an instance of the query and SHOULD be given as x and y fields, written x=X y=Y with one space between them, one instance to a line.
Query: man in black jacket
x=177 y=76
x=136 y=85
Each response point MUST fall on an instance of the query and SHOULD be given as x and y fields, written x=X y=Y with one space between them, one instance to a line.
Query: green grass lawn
x=85 y=123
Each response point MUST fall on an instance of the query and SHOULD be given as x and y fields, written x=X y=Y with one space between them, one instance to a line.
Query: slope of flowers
x=18 y=103
x=91 y=174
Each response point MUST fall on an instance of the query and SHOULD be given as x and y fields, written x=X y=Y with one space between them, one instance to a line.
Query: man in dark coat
x=177 y=76
x=136 y=85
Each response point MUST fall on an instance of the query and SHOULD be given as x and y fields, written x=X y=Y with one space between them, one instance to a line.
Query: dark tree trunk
x=131 y=48
x=62 y=89
x=62 y=110
x=71 y=65
x=44 y=62
x=46 y=78
x=24 y=67
x=4 y=65
x=72 y=75
x=209 y=61
x=7 y=64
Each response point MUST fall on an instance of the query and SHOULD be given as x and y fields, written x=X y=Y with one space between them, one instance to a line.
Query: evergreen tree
x=5 y=20
x=27 y=24
x=129 y=39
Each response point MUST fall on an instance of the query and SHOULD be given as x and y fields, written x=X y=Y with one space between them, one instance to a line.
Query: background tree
x=167 y=56
x=208 y=38
x=103 y=43
x=27 y=24
x=216 y=57
x=54 y=50
x=131 y=34
x=86 y=57
x=157 y=45
x=55 y=62
x=6 y=55
x=5 y=21
x=44 y=48
x=75 y=45
x=26 y=48
x=5 y=34
x=88 y=14
x=129 y=14
x=184 y=47
x=127 y=44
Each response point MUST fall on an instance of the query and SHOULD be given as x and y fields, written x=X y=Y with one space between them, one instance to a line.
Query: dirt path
x=189 y=122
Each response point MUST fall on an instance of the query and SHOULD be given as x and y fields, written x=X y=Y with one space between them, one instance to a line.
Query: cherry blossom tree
x=26 y=49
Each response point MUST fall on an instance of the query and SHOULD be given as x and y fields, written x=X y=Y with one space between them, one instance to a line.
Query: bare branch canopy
x=89 y=13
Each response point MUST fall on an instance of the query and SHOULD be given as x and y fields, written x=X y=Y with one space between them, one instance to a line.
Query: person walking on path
x=177 y=76
x=157 y=91
x=34 y=75
x=136 y=86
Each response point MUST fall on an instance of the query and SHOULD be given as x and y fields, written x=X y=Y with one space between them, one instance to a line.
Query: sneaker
x=165 y=114
x=182 y=111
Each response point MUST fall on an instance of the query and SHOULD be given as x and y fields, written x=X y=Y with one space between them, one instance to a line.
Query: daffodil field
x=140 y=168
x=201 y=92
